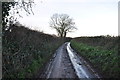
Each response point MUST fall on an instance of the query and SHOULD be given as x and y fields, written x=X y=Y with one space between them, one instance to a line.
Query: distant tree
x=62 y=23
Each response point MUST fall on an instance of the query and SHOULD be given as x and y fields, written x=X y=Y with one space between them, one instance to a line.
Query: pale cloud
x=92 y=17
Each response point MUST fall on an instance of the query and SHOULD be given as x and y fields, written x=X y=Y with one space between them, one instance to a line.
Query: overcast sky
x=92 y=17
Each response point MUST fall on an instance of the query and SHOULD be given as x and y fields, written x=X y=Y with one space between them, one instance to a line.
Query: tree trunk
x=64 y=34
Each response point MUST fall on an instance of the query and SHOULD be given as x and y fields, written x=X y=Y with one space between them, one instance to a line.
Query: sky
x=91 y=17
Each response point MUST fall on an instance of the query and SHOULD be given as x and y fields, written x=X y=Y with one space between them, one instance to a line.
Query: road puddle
x=77 y=64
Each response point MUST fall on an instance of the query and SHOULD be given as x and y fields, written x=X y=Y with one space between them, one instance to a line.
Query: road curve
x=67 y=64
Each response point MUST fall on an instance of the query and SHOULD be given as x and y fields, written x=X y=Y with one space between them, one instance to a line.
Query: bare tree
x=62 y=23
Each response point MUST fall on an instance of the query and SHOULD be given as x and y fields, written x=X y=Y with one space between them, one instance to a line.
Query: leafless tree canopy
x=62 y=23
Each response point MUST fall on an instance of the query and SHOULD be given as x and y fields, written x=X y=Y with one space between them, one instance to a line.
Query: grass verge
x=106 y=61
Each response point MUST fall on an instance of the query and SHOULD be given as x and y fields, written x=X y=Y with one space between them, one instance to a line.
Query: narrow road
x=67 y=64
x=61 y=66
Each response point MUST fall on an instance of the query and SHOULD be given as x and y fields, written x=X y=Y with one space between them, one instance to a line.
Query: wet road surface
x=67 y=64
x=62 y=66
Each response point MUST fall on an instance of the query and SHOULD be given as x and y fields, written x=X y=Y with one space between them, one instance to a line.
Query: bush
x=25 y=51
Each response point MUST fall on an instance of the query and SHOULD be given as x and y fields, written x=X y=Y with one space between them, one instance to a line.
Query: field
x=101 y=52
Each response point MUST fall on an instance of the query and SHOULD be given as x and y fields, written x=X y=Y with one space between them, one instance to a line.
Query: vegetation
x=18 y=6
x=26 y=51
x=6 y=6
x=62 y=23
x=101 y=52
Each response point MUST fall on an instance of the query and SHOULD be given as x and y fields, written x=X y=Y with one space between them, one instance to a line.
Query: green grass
x=105 y=61
x=35 y=65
